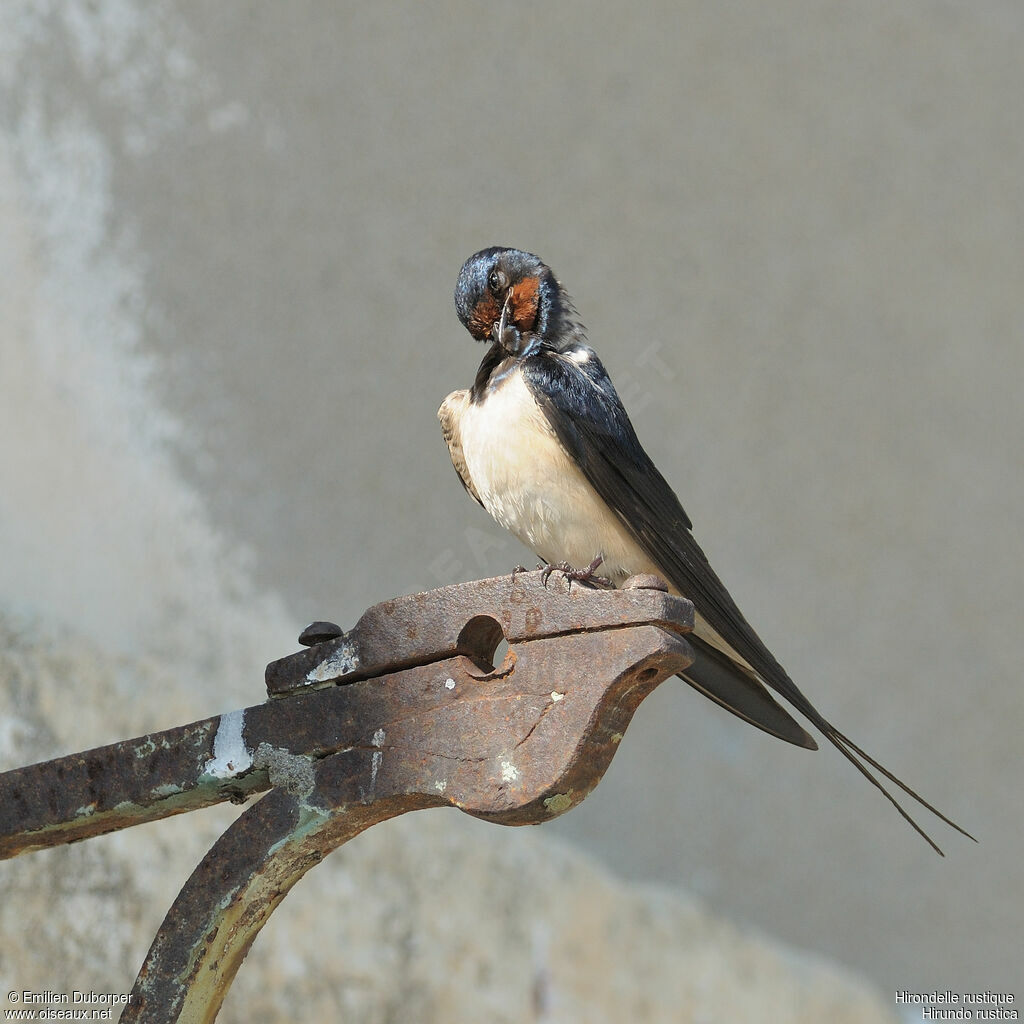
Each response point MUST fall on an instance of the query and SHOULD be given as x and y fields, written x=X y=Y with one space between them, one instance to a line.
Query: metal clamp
x=405 y=711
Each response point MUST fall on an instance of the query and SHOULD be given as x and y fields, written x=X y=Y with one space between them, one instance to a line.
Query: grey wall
x=231 y=233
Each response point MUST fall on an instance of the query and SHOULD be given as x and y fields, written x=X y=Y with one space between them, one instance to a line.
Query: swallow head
x=511 y=298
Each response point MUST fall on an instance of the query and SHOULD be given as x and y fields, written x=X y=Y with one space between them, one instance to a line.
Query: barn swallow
x=543 y=443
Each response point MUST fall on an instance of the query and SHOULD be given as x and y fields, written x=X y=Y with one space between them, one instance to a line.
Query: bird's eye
x=497 y=280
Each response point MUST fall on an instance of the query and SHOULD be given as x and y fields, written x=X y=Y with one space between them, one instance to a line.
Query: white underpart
x=534 y=489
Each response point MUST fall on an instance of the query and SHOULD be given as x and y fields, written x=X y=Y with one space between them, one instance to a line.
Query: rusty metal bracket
x=405 y=711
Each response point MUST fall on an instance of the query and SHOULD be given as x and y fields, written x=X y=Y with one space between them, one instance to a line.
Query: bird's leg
x=587 y=575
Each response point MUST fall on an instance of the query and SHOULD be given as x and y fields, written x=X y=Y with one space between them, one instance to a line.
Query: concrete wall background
x=231 y=233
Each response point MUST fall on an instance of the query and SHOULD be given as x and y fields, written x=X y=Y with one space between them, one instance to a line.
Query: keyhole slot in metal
x=482 y=640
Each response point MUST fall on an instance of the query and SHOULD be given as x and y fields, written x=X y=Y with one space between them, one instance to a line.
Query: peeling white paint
x=231 y=756
x=378 y=757
x=340 y=662
x=509 y=772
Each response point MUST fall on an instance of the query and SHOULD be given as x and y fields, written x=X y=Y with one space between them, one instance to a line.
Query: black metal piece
x=319 y=632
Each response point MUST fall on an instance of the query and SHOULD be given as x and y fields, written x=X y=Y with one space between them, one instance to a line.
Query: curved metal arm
x=518 y=745
x=403 y=712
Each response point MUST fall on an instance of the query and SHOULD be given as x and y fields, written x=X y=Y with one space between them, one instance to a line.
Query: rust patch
x=505 y=747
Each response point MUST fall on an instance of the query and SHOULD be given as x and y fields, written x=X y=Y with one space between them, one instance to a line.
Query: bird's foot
x=587 y=575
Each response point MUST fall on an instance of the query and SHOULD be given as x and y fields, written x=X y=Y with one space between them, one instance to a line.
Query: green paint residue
x=166 y=789
x=145 y=748
x=558 y=803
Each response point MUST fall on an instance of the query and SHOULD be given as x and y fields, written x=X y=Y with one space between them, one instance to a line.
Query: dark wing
x=450 y=416
x=585 y=412
x=719 y=678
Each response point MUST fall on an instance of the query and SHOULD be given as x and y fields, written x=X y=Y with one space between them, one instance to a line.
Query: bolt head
x=320 y=632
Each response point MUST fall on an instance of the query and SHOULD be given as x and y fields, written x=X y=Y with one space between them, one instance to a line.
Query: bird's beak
x=502 y=325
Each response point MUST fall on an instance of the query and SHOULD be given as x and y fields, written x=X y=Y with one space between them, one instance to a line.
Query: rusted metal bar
x=518 y=749
x=471 y=619
x=224 y=758
x=406 y=711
